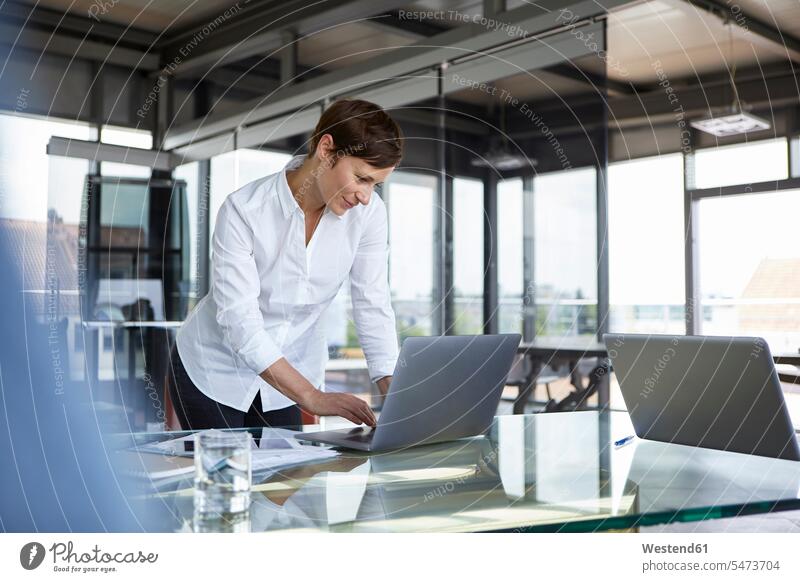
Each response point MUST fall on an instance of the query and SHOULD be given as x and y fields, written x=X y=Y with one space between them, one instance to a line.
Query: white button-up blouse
x=269 y=292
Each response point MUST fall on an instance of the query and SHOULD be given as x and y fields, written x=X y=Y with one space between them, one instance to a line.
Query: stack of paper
x=268 y=460
x=278 y=449
x=274 y=450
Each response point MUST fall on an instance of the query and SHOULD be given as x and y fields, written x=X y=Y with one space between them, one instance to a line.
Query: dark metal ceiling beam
x=43 y=30
x=71 y=23
x=392 y=23
x=270 y=68
x=652 y=108
x=592 y=80
x=257 y=84
x=259 y=29
x=40 y=40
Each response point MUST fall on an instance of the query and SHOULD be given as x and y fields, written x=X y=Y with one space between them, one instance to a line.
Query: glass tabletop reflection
x=537 y=472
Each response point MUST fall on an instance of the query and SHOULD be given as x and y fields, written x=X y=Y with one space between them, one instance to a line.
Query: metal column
x=691 y=303
x=490 y=289
x=443 y=305
x=528 y=260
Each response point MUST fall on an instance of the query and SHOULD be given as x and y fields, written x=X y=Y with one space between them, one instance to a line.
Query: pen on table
x=625 y=441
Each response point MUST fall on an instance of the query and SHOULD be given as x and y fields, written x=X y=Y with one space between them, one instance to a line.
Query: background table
x=569 y=351
x=558 y=352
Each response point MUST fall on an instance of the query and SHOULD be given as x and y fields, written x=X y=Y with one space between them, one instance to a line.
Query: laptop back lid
x=444 y=388
x=715 y=392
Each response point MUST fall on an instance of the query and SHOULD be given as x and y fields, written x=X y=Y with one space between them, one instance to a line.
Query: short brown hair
x=360 y=129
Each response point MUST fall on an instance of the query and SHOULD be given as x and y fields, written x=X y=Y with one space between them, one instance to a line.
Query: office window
x=646 y=254
x=565 y=243
x=232 y=170
x=509 y=255
x=749 y=267
x=745 y=163
x=410 y=198
x=468 y=222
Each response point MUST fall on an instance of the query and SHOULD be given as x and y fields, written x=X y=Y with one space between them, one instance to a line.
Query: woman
x=253 y=351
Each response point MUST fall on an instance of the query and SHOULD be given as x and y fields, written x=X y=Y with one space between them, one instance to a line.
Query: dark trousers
x=197 y=411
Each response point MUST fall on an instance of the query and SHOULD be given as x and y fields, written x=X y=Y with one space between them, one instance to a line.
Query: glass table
x=531 y=473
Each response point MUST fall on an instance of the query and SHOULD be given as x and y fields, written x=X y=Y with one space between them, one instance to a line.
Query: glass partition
x=509 y=255
x=468 y=223
x=411 y=199
x=646 y=245
x=188 y=173
x=565 y=242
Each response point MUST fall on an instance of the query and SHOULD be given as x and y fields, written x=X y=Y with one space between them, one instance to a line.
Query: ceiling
x=152 y=15
x=781 y=14
x=686 y=40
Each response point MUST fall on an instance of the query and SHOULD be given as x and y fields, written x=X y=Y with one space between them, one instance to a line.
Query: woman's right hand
x=339 y=404
x=287 y=380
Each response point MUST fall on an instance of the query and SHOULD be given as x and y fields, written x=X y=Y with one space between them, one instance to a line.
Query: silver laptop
x=714 y=392
x=443 y=388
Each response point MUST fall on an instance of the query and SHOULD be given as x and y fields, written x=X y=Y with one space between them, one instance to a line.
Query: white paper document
x=275 y=449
